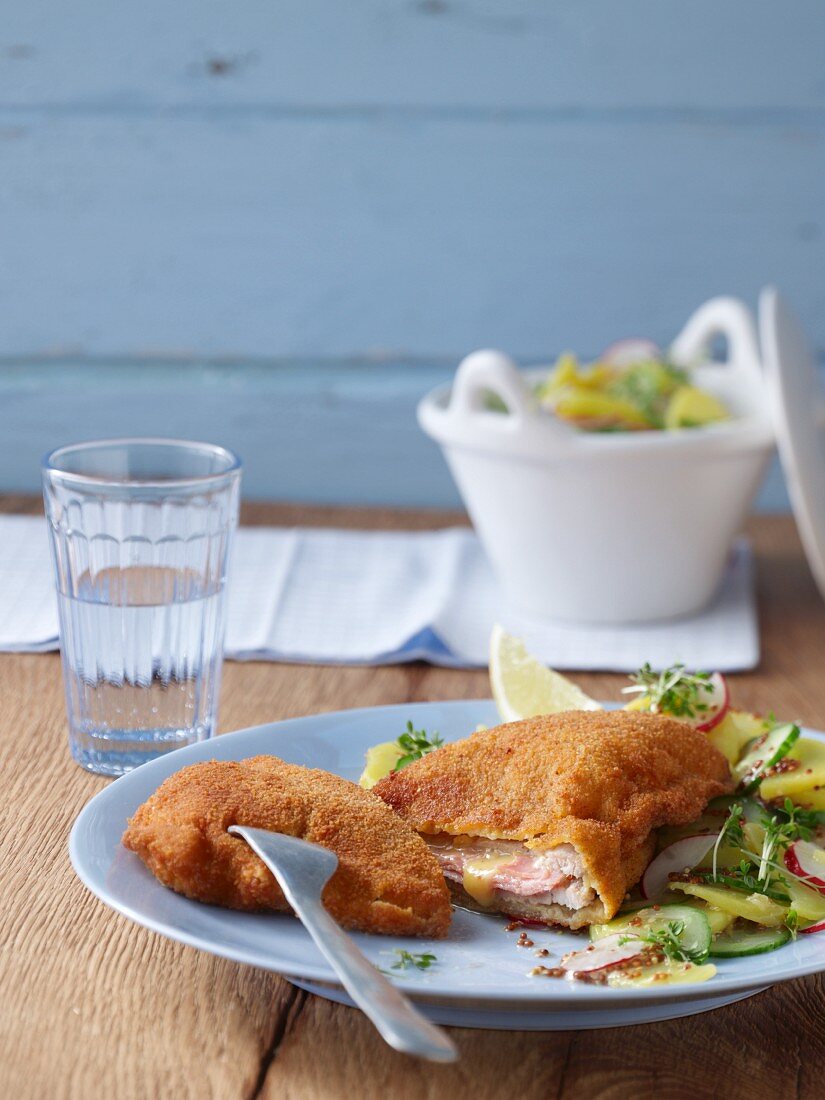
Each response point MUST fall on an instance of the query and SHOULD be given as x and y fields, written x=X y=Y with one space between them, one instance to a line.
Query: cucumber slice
x=752 y=812
x=763 y=754
x=631 y=907
x=722 y=803
x=695 y=936
x=712 y=819
x=744 y=941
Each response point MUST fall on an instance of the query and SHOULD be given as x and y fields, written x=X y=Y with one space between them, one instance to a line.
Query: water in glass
x=142 y=651
x=140 y=534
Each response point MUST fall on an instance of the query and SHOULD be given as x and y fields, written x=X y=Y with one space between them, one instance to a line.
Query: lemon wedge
x=523 y=687
x=381 y=759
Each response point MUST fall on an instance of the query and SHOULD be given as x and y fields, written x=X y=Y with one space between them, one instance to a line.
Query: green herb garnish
x=801 y=822
x=414 y=744
x=673 y=691
x=648 y=386
x=782 y=827
x=731 y=831
x=737 y=880
x=406 y=959
x=780 y=833
x=668 y=940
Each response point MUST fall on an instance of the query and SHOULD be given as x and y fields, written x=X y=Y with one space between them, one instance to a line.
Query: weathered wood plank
x=295 y=239
x=306 y=432
x=495 y=1066
x=473 y=54
x=326 y=1052
x=753 y=1049
x=319 y=432
x=79 y=991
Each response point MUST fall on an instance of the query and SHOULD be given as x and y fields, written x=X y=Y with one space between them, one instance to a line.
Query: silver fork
x=303 y=870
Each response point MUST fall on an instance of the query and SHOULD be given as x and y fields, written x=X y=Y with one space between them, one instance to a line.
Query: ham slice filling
x=490 y=870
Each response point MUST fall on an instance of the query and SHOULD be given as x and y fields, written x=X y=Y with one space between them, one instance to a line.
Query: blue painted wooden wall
x=276 y=224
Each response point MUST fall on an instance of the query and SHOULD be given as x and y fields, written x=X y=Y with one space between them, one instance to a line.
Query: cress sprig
x=781 y=828
x=731 y=831
x=779 y=834
x=668 y=940
x=673 y=691
x=407 y=959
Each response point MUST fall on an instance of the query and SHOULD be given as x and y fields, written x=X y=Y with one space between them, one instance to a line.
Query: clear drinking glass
x=140 y=534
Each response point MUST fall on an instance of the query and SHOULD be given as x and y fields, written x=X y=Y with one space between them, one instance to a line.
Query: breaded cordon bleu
x=553 y=819
x=387 y=880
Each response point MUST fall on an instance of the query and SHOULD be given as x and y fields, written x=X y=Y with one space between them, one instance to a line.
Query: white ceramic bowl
x=615 y=527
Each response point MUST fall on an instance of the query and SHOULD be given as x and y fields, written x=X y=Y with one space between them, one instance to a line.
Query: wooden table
x=92 y=1005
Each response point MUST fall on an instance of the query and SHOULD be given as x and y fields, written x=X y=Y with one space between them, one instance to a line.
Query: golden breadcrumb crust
x=599 y=780
x=387 y=879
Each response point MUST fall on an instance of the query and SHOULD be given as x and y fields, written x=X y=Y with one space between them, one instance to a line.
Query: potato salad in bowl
x=611 y=491
x=633 y=386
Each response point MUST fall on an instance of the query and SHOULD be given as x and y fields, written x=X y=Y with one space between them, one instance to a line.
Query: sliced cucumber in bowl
x=736 y=942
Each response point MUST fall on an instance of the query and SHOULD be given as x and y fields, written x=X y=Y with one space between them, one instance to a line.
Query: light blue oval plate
x=480 y=977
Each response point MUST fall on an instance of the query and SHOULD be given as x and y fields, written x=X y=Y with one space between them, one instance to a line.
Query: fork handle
x=398 y=1022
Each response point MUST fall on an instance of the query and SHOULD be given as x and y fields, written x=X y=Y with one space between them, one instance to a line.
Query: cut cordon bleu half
x=553 y=819
x=386 y=881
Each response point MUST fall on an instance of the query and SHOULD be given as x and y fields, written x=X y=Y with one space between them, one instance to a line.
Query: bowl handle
x=488 y=371
x=728 y=317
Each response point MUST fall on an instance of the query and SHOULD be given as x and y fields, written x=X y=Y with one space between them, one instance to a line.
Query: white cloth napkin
x=367 y=597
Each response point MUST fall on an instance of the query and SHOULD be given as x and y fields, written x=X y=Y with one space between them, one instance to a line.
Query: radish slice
x=681 y=855
x=607 y=952
x=623 y=353
x=813 y=928
x=718 y=703
x=807 y=861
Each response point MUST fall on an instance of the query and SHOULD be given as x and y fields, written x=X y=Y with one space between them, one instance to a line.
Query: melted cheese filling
x=478 y=877
x=491 y=870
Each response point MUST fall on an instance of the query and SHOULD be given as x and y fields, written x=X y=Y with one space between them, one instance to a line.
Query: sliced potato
x=581 y=403
x=640 y=702
x=809 y=903
x=754 y=836
x=718 y=919
x=669 y=973
x=754 y=907
x=596 y=376
x=381 y=759
x=733 y=733
x=727 y=856
x=568 y=372
x=813 y=799
x=806 y=772
x=564 y=373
